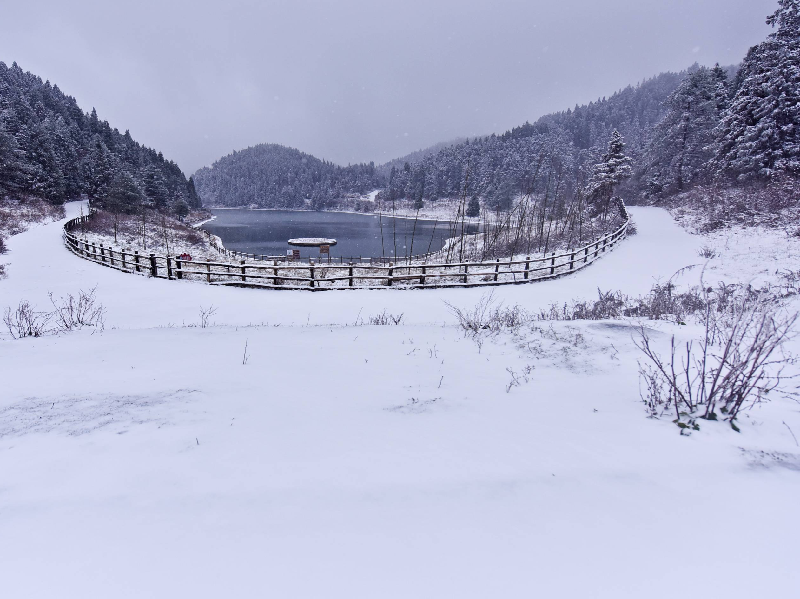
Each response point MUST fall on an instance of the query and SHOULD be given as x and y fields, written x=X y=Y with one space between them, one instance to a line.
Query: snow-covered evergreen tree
x=759 y=133
x=678 y=153
x=613 y=169
x=473 y=207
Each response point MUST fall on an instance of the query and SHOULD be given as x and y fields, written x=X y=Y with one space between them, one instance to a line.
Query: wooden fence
x=283 y=274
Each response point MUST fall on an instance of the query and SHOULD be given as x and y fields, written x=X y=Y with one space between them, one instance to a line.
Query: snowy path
x=39 y=264
x=370 y=461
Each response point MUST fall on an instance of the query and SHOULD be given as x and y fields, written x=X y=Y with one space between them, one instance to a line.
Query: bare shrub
x=26 y=321
x=385 y=318
x=71 y=313
x=205 y=315
x=193 y=238
x=736 y=364
x=487 y=317
x=3 y=248
x=707 y=252
x=478 y=319
x=662 y=303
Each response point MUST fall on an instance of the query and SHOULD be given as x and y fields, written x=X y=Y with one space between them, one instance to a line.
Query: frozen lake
x=267 y=232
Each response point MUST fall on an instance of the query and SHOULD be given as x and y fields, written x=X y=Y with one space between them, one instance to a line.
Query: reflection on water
x=267 y=231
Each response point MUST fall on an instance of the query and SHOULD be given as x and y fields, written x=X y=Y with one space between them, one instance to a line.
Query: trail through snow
x=38 y=264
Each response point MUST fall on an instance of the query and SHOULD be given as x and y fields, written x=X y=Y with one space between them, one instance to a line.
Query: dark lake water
x=267 y=232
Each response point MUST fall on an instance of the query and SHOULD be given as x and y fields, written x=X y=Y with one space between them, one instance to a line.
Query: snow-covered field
x=344 y=460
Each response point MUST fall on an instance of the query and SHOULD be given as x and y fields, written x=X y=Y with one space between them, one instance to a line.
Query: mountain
x=51 y=149
x=555 y=153
x=274 y=176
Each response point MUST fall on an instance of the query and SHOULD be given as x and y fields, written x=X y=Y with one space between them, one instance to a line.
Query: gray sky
x=356 y=81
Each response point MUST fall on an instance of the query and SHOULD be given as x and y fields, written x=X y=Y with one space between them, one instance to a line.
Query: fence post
x=553 y=264
x=179 y=272
x=169 y=268
x=136 y=260
x=422 y=277
x=585 y=254
x=102 y=253
x=123 y=258
x=350 y=275
x=208 y=270
x=94 y=250
x=244 y=278
x=527 y=265
x=275 y=273
x=572 y=260
x=597 y=248
x=466 y=276
x=496 y=269
x=153 y=265
x=111 y=255
x=311 y=270
x=391 y=274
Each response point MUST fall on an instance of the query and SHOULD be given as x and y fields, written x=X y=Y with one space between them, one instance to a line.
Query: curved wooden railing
x=283 y=274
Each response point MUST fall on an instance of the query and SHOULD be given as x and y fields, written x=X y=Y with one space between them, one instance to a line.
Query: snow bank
x=284 y=451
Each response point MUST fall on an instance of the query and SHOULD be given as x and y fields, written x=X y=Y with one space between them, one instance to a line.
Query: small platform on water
x=311 y=241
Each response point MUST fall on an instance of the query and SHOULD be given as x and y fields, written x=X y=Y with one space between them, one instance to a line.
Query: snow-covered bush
x=385 y=318
x=71 y=313
x=707 y=252
x=662 y=303
x=205 y=315
x=736 y=363
x=487 y=316
x=26 y=321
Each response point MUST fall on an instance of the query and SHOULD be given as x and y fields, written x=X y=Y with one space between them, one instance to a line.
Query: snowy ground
x=376 y=461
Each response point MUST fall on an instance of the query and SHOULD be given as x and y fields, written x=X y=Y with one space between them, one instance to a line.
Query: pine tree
x=474 y=207
x=124 y=197
x=13 y=168
x=613 y=169
x=678 y=151
x=758 y=135
x=100 y=167
x=192 y=198
x=155 y=188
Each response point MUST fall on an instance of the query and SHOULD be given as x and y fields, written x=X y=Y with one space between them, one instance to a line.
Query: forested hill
x=51 y=149
x=274 y=176
x=560 y=147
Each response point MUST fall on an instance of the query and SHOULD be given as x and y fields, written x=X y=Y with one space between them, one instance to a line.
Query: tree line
x=51 y=149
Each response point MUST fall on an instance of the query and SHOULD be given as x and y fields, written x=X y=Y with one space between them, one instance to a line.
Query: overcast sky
x=354 y=81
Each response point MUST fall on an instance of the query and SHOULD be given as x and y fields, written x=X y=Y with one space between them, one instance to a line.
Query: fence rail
x=283 y=274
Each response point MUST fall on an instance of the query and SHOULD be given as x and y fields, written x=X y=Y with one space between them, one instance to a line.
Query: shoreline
x=471 y=221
